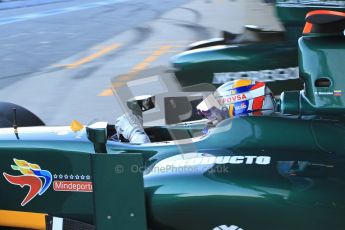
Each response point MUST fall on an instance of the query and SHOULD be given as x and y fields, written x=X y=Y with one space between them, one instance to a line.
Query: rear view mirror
x=140 y=104
x=97 y=134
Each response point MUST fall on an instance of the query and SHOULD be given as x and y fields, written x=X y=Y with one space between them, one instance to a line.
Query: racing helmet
x=238 y=98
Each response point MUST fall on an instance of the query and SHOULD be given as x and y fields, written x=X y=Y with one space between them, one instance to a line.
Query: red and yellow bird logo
x=33 y=176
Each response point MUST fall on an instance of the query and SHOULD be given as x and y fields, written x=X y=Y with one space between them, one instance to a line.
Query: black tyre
x=25 y=118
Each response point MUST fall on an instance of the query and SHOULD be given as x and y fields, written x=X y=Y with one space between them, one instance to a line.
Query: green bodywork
x=203 y=64
x=303 y=182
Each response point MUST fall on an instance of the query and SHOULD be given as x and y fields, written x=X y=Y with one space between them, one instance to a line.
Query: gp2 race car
x=263 y=55
x=284 y=171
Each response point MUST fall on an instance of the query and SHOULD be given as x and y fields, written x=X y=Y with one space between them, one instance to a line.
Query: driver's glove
x=131 y=128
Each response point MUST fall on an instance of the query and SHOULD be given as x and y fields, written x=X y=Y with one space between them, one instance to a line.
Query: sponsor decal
x=261 y=75
x=337 y=93
x=313 y=2
x=210 y=160
x=242 y=106
x=232 y=99
x=225 y=227
x=202 y=162
x=324 y=93
x=72 y=186
x=72 y=177
x=72 y=183
x=32 y=176
x=39 y=180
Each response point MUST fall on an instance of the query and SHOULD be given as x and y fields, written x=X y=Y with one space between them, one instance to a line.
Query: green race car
x=283 y=171
x=257 y=54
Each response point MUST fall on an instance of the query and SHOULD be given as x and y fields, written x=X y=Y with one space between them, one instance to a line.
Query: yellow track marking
x=106 y=93
x=141 y=66
x=98 y=54
x=118 y=84
x=150 y=59
x=136 y=70
x=125 y=78
x=28 y=220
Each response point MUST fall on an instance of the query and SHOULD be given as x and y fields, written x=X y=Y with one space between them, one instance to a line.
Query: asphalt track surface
x=64 y=60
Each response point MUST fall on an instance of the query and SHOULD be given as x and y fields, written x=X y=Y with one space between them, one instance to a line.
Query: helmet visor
x=210 y=108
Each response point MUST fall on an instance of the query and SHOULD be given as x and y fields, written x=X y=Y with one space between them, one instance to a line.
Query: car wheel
x=24 y=117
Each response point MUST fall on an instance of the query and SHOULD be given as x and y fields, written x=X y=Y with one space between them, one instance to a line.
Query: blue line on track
x=26 y=17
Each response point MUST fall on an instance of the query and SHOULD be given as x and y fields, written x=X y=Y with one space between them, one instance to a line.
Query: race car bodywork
x=284 y=171
x=270 y=56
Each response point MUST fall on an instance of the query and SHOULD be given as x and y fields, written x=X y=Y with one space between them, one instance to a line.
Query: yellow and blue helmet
x=238 y=98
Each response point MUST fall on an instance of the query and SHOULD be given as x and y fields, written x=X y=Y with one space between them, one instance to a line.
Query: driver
x=237 y=98
x=232 y=99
